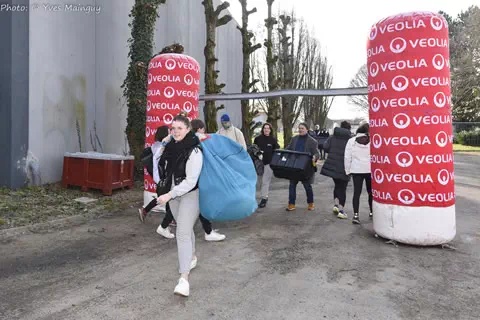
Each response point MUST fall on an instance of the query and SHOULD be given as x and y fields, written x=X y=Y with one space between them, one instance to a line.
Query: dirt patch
x=33 y=205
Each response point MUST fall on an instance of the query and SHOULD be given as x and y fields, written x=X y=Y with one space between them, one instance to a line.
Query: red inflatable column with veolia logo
x=173 y=87
x=411 y=129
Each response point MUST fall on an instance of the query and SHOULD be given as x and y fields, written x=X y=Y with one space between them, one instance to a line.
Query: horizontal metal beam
x=285 y=93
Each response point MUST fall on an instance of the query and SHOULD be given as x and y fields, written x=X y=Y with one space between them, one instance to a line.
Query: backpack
x=147 y=160
x=227 y=182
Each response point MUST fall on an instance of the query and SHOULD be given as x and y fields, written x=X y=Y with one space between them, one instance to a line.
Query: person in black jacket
x=303 y=143
x=322 y=136
x=268 y=143
x=334 y=166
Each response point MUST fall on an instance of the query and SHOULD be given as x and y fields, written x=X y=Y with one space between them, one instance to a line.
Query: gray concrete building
x=61 y=73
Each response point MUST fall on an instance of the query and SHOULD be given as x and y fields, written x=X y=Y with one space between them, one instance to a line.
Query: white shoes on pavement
x=214 y=236
x=182 y=288
x=165 y=232
x=193 y=264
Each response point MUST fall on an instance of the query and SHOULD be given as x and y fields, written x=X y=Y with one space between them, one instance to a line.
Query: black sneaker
x=263 y=203
x=370 y=215
x=355 y=219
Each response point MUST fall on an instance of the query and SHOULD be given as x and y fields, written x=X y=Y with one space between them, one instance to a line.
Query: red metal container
x=92 y=170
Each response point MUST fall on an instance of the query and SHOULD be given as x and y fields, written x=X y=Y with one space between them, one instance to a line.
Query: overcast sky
x=342 y=26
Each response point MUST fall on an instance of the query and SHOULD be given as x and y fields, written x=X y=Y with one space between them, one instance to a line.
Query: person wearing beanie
x=230 y=131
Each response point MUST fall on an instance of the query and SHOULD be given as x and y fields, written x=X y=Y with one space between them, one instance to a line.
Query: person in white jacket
x=228 y=130
x=357 y=164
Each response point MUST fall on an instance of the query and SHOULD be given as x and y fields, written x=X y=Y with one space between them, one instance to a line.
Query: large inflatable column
x=411 y=129
x=173 y=86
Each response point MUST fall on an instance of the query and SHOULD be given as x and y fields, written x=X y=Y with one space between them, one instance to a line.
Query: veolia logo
x=443 y=177
x=406 y=196
x=170 y=64
x=150 y=78
x=374 y=69
x=168 y=118
x=401 y=121
x=400 y=83
x=440 y=99
x=377 y=141
x=436 y=23
x=375 y=103
x=404 y=159
x=438 y=62
x=379 y=176
x=398 y=45
x=187 y=106
x=149 y=105
x=169 y=92
x=373 y=33
x=441 y=139
x=147 y=132
x=188 y=79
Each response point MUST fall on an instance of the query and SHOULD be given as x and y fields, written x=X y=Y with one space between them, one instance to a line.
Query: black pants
x=340 y=191
x=322 y=152
x=357 y=189
x=207 y=225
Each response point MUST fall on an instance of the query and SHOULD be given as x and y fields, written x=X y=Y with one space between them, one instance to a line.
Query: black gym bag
x=292 y=165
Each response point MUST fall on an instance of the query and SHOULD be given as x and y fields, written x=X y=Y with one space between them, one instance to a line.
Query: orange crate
x=92 y=170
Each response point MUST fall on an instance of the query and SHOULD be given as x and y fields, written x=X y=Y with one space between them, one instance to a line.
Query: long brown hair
x=271 y=129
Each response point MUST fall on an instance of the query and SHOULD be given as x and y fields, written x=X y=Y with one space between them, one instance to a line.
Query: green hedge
x=469 y=138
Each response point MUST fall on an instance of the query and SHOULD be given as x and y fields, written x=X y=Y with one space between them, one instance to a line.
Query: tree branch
x=221 y=7
x=224 y=20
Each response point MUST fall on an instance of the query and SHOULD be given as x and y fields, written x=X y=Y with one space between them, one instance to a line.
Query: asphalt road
x=274 y=265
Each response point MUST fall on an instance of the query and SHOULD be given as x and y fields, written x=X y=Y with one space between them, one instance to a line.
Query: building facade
x=62 y=73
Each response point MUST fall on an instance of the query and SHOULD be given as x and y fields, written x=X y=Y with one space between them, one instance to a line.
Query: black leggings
x=357 y=189
x=340 y=191
x=207 y=225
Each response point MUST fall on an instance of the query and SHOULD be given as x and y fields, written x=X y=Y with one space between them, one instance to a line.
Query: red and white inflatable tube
x=173 y=86
x=411 y=129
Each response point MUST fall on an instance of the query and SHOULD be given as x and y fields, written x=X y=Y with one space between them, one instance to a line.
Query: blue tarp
x=227 y=183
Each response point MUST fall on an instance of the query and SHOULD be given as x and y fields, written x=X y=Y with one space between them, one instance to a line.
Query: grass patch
x=462 y=148
x=32 y=205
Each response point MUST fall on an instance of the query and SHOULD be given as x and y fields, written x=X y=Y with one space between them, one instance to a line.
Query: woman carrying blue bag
x=180 y=164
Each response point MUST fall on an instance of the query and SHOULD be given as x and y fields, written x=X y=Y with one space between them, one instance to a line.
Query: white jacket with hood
x=357 y=154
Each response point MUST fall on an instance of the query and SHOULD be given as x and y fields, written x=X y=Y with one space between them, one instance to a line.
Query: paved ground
x=274 y=265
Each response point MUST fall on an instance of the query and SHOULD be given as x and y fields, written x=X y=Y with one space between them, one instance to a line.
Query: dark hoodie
x=363 y=140
x=334 y=166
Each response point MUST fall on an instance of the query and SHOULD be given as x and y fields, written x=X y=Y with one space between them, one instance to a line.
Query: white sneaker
x=182 y=288
x=214 y=236
x=165 y=232
x=193 y=264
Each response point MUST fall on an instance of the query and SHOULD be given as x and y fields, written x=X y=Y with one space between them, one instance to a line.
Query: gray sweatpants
x=266 y=179
x=185 y=210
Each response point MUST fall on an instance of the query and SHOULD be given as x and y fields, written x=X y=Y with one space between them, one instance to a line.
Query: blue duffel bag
x=227 y=183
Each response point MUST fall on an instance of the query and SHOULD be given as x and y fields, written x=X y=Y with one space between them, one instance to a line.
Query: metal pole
x=285 y=93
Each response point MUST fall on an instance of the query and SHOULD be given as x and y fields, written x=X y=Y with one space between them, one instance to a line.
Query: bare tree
x=273 y=103
x=213 y=21
x=286 y=66
x=318 y=76
x=248 y=113
x=360 y=80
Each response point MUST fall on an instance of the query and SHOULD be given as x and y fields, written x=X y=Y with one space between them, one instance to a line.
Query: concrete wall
x=62 y=84
x=183 y=21
x=14 y=52
x=79 y=60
